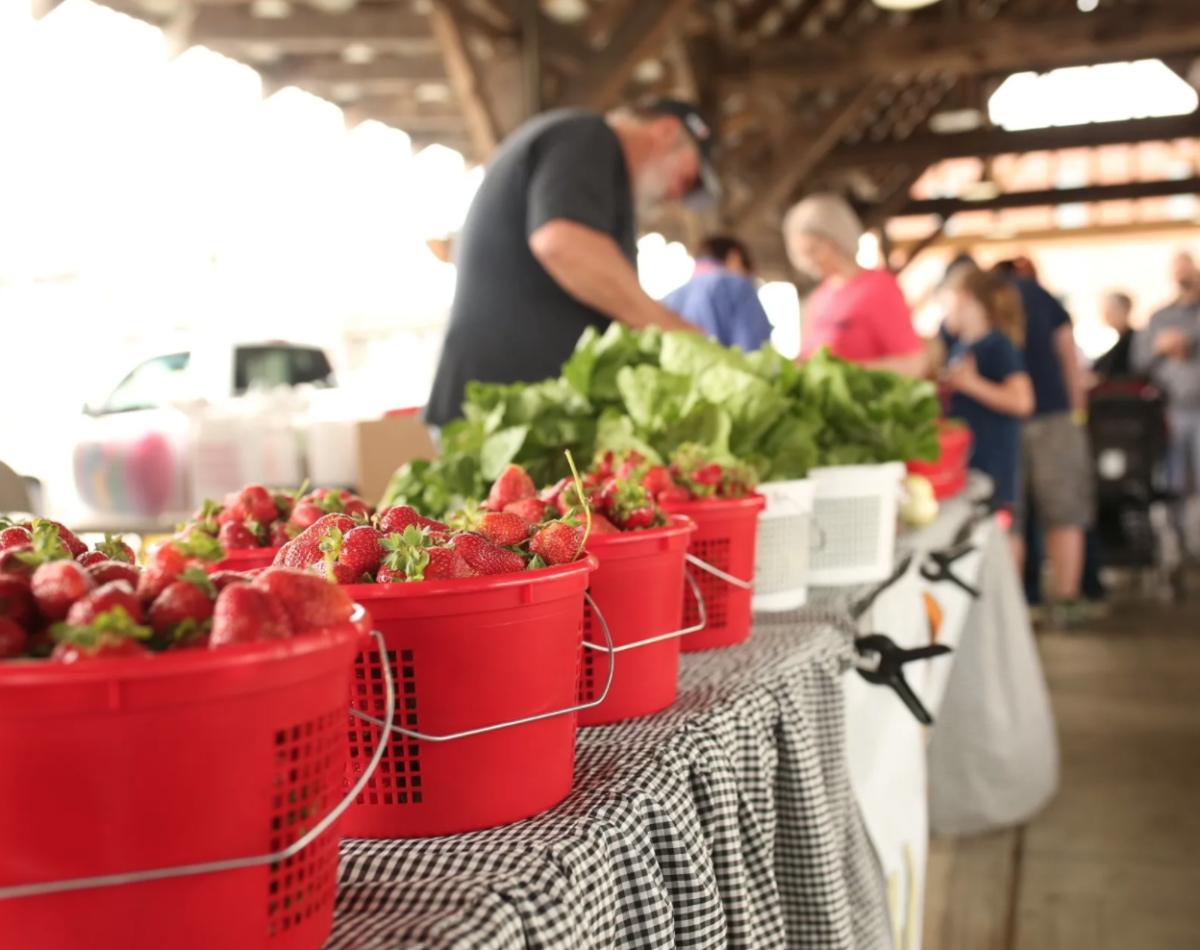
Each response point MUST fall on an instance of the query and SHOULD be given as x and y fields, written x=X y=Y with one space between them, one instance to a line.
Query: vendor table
x=727 y=821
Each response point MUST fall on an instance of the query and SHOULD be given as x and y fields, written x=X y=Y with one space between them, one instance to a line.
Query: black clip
x=940 y=564
x=861 y=606
x=890 y=669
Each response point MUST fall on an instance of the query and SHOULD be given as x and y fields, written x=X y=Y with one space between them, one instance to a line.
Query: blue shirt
x=1043 y=317
x=724 y=305
x=997 y=448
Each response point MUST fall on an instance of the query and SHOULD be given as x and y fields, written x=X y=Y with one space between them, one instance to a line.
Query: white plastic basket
x=782 y=559
x=854 y=523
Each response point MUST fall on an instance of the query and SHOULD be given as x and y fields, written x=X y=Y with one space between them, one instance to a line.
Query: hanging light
x=904 y=4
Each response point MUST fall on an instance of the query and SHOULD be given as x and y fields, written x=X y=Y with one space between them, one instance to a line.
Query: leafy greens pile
x=656 y=392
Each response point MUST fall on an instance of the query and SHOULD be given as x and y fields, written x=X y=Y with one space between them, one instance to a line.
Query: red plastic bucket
x=639 y=590
x=948 y=475
x=726 y=532
x=466 y=655
x=247 y=559
x=125 y=766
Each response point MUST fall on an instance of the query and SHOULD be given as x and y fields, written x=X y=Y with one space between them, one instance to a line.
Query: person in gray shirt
x=1168 y=352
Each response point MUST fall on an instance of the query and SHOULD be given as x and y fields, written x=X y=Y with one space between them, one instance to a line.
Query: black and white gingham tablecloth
x=724 y=822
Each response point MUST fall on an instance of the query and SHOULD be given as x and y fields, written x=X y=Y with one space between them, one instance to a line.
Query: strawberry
x=19 y=560
x=530 y=510
x=629 y=466
x=443 y=564
x=337 y=572
x=110 y=596
x=362 y=551
x=14 y=537
x=504 y=528
x=556 y=543
x=299 y=553
x=72 y=543
x=16 y=600
x=108 y=571
x=305 y=515
x=13 y=639
x=236 y=536
x=281 y=533
x=110 y=648
x=629 y=506
x=708 y=475
x=311 y=602
x=258 y=504
x=358 y=509
x=395 y=520
x=112 y=633
x=115 y=549
x=604 y=465
x=344 y=523
x=245 y=614
x=57 y=585
x=600 y=524
x=387 y=576
x=657 y=479
x=675 y=495
x=153 y=581
x=92 y=557
x=190 y=598
x=514 y=484
x=485 y=557
x=222 y=579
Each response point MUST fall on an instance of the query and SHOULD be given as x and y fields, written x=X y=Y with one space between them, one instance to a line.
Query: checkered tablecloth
x=725 y=822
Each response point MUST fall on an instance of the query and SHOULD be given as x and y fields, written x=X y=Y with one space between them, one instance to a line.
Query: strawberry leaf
x=535 y=563
x=199 y=577
x=114 y=548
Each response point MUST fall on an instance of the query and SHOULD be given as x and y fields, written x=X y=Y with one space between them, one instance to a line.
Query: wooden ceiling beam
x=1130 y=191
x=466 y=77
x=383 y=75
x=929 y=149
x=1039 y=235
x=971 y=47
x=640 y=35
x=411 y=122
x=802 y=152
x=385 y=30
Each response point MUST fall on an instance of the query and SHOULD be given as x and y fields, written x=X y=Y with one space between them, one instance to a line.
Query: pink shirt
x=862 y=320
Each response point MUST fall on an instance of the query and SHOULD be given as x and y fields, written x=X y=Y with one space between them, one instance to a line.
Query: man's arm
x=914 y=364
x=1068 y=360
x=590 y=267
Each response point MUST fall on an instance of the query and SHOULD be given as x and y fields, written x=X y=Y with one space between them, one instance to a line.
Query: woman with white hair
x=859 y=314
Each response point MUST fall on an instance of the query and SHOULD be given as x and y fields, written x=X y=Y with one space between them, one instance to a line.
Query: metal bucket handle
x=701 y=609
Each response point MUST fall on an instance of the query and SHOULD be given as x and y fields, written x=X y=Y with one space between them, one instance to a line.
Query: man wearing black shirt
x=1117 y=362
x=549 y=247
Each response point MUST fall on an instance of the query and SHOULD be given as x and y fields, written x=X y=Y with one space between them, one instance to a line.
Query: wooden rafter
x=802 y=151
x=384 y=29
x=640 y=35
x=1039 y=235
x=465 y=77
x=383 y=75
x=1056 y=196
x=971 y=47
x=930 y=148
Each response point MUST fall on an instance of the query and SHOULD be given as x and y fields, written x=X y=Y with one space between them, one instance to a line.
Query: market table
x=727 y=821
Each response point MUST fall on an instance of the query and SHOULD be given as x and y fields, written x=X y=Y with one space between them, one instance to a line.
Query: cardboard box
x=386 y=444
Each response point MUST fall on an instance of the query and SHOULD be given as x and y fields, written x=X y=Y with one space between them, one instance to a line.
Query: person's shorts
x=1058 y=471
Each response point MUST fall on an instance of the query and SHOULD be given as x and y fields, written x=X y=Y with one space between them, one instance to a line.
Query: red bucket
x=725 y=540
x=467 y=655
x=639 y=590
x=948 y=475
x=123 y=766
x=247 y=559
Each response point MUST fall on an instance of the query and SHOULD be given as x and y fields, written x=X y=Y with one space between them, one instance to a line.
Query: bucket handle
x=717 y=572
x=701 y=609
x=233 y=864
x=819 y=537
x=425 y=737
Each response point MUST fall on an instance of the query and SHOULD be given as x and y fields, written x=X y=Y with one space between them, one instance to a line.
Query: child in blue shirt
x=984 y=370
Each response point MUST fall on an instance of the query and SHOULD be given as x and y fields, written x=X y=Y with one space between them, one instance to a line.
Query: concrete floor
x=1114 y=862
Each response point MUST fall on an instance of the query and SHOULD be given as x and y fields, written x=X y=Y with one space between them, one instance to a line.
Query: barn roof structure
x=807 y=94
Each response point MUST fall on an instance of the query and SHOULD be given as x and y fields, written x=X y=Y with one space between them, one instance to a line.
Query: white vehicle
x=131 y=463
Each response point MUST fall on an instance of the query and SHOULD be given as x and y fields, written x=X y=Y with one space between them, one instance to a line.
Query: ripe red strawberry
x=531 y=510
x=600 y=524
x=299 y=553
x=245 y=614
x=12 y=562
x=57 y=585
x=387 y=576
x=16 y=600
x=394 y=520
x=341 y=573
x=709 y=475
x=504 y=528
x=556 y=543
x=116 y=648
x=604 y=465
x=311 y=602
x=235 y=536
x=115 y=549
x=13 y=639
x=362 y=551
x=444 y=564
x=111 y=596
x=306 y=514
x=629 y=466
x=344 y=523
x=629 y=506
x=675 y=495
x=485 y=557
x=108 y=571
x=14 y=537
x=222 y=579
x=92 y=557
x=111 y=633
x=258 y=504
x=166 y=557
x=281 y=533
x=514 y=484
x=358 y=509
x=657 y=479
x=189 y=598
x=153 y=581
x=72 y=543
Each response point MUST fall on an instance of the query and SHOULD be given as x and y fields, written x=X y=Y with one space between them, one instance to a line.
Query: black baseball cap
x=707 y=191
